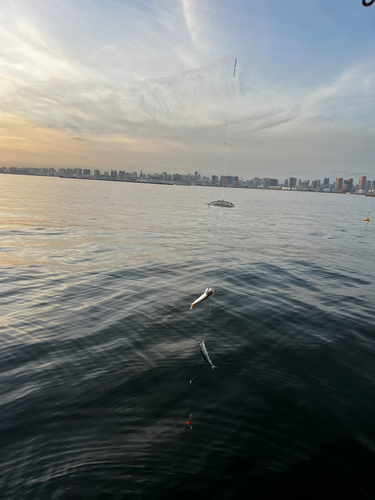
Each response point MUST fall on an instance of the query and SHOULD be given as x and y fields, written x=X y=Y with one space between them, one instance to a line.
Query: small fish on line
x=205 y=355
x=207 y=293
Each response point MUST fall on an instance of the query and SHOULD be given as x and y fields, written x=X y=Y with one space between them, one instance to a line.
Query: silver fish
x=205 y=355
x=207 y=293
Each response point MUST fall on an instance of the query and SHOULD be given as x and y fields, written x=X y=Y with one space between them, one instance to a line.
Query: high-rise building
x=326 y=181
x=368 y=186
x=347 y=186
x=292 y=182
x=338 y=185
x=362 y=182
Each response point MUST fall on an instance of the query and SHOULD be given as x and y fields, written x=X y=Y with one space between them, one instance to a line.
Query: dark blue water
x=98 y=346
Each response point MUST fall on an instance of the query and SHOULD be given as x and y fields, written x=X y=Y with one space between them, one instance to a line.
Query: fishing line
x=205 y=334
x=189 y=424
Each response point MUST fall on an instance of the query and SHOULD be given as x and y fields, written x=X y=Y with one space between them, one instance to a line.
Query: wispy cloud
x=192 y=24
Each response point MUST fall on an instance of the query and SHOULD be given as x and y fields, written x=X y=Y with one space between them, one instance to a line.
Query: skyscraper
x=338 y=184
x=362 y=182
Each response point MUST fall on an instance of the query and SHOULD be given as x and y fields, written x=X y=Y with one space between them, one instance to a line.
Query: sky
x=148 y=84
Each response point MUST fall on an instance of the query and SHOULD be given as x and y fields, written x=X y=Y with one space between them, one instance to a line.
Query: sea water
x=98 y=345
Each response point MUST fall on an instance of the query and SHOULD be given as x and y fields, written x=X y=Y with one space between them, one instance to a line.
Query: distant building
x=267 y=182
x=326 y=181
x=87 y=172
x=347 y=186
x=362 y=182
x=338 y=185
x=223 y=181
x=292 y=182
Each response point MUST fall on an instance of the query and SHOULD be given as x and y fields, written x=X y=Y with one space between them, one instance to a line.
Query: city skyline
x=340 y=185
x=150 y=84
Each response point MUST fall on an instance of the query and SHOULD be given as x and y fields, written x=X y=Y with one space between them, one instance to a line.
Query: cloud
x=139 y=78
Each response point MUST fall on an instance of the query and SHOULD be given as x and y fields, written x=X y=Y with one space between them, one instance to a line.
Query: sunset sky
x=149 y=85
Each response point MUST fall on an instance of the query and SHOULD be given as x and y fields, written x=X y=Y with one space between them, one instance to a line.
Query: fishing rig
x=188 y=423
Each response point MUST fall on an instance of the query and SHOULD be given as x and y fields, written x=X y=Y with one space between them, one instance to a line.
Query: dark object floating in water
x=221 y=203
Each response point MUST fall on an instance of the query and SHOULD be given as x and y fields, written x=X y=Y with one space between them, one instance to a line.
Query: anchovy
x=205 y=355
x=207 y=293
